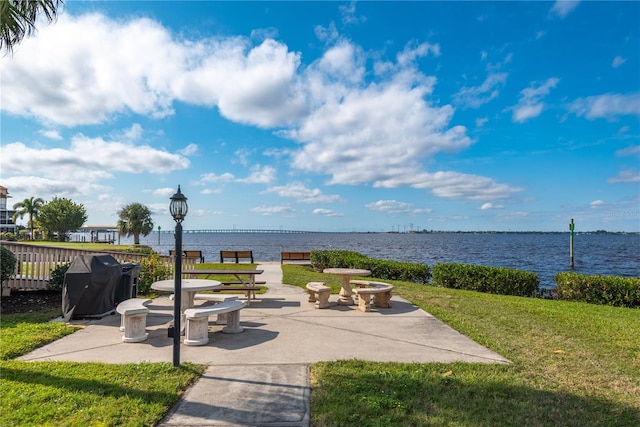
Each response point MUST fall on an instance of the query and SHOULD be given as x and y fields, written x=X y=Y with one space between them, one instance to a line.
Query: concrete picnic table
x=189 y=287
x=346 y=273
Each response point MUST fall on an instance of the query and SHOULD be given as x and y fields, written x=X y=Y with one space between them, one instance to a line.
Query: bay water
x=542 y=253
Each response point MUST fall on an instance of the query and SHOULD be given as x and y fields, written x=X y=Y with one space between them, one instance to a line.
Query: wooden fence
x=35 y=262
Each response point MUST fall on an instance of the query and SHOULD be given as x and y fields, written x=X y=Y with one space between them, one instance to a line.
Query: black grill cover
x=90 y=285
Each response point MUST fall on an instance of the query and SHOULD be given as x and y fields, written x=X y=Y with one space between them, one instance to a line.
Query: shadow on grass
x=30 y=374
x=450 y=394
x=63 y=393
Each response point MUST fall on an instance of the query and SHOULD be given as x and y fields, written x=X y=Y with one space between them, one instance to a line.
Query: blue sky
x=332 y=116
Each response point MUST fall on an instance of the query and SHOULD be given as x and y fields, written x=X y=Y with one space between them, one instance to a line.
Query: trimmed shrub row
x=493 y=280
x=604 y=290
x=56 y=281
x=8 y=262
x=381 y=269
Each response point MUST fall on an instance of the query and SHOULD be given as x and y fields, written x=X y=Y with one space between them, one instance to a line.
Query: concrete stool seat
x=133 y=319
x=380 y=291
x=197 y=329
x=215 y=297
x=319 y=293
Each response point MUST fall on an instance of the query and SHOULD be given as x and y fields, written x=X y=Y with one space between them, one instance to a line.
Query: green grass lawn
x=80 y=394
x=573 y=364
x=82 y=245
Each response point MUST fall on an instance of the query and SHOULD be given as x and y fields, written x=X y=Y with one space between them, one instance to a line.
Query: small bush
x=493 y=280
x=152 y=269
x=604 y=290
x=381 y=269
x=140 y=250
x=8 y=262
x=57 y=277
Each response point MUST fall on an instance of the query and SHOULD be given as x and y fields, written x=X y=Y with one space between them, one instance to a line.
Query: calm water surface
x=543 y=254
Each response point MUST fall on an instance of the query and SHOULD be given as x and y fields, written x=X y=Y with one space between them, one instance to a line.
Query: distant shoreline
x=243 y=231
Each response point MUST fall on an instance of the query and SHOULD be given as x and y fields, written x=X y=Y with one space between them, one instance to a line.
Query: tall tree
x=62 y=216
x=31 y=207
x=135 y=219
x=18 y=19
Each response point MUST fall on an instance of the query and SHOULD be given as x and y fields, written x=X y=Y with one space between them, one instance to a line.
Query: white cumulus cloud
x=474 y=97
x=561 y=8
x=395 y=207
x=530 y=104
x=302 y=194
x=607 y=106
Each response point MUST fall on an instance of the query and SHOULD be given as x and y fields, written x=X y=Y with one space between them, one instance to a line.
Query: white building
x=6 y=215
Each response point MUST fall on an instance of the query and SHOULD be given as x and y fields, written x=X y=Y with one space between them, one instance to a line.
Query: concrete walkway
x=260 y=377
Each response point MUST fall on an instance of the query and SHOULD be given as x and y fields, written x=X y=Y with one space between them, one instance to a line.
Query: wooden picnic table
x=245 y=278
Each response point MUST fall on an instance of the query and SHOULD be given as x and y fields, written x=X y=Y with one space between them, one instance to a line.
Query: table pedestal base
x=345 y=299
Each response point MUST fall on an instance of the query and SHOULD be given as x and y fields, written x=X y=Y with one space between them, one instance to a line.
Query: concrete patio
x=263 y=371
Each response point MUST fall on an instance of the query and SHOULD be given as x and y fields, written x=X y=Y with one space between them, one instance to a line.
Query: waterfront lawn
x=66 y=393
x=574 y=364
x=90 y=246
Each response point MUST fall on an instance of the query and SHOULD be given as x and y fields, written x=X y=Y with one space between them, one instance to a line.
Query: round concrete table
x=346 y=273
x=189 y=287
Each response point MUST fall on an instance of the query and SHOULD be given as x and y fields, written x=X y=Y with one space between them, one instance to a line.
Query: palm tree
x=135 y=219
x=18 y=19
x=31 y=207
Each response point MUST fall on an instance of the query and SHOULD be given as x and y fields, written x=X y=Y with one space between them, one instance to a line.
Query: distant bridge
x=247 y=230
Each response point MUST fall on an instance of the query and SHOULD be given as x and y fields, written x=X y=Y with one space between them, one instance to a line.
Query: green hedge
x=604 y=290
x=493 y=280
x=380 y=269
x=56 y=281
x=8 y=262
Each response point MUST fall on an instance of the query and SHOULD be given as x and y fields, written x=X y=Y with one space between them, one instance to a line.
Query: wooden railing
x=35 y=262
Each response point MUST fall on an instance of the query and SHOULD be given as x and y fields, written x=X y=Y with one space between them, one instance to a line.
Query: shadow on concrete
x=273 y=303
x=248 y=338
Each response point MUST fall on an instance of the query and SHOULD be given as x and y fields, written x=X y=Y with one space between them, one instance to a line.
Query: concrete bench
x=319 y=293
x=133 y=320
x=216 y=299
x=365 y=289
x=197 y=328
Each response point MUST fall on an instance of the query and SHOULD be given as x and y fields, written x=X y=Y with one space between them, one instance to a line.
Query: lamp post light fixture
x=178 y=208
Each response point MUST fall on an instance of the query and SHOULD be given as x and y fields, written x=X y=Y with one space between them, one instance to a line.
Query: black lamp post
x=178 y=208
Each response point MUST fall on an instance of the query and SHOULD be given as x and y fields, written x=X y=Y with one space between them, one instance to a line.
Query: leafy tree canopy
x=135 y=219
x=30 y=207
x=61 y=216
x=18 y=19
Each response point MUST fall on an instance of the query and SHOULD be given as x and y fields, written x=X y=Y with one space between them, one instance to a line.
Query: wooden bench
x=236 y=256
x=197 y=328
x=189 y=254
x=133 y=320
x=319 y=293
x=380 y=291
x=295 y=256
